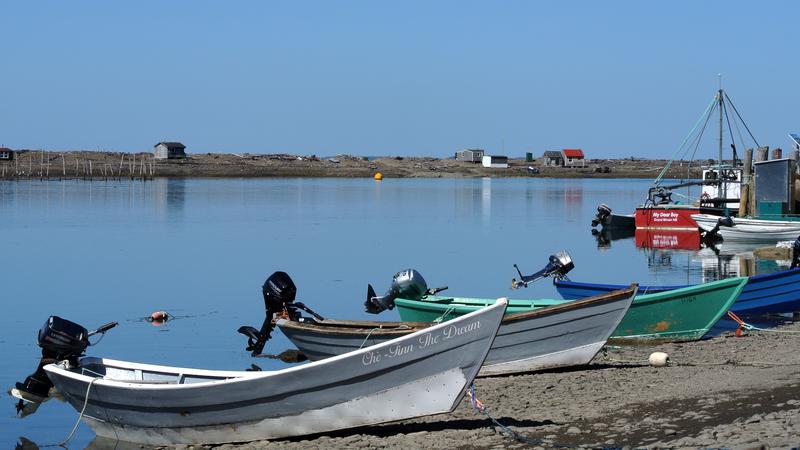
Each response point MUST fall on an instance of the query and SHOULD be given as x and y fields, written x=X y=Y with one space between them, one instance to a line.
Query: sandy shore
x=99 y=165
x=734 y=392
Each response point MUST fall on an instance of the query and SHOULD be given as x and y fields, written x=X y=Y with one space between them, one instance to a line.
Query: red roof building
x=573 y=157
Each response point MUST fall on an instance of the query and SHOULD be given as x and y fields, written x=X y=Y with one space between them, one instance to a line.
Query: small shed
x=495 y=162
x=6 y=154
x=169 y=150
x=552 y=158
x=573 y=157
x=474 y=155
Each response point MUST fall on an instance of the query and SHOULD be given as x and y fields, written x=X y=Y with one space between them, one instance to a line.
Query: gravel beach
x=727 y=391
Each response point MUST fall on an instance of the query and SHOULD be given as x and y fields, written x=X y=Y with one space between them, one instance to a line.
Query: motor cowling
x=405 y=284
x=60 y=339
x=279 y=292
x=603 y=212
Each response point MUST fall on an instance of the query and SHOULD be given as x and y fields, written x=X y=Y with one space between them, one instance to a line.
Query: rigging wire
x=730 y=131
x=740 y=118
x=666 y=167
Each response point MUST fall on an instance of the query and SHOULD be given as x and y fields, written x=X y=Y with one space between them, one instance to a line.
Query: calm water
x=94 y=252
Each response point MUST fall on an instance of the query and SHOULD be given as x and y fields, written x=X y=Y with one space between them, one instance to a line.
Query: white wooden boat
x=560 y=335
x=744 y=229
x=415 y=375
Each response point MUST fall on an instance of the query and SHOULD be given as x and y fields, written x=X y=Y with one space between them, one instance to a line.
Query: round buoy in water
x=658 y=359
x=159 y=316
x=378 y=176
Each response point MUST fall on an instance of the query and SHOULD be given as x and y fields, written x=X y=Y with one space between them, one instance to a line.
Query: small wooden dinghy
x=414 y=375
x=565 y=334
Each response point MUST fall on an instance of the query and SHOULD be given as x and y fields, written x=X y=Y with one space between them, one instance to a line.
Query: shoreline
x=105 y=165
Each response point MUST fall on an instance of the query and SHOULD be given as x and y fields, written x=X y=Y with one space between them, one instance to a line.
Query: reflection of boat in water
x=605 y=236
x=668 y=239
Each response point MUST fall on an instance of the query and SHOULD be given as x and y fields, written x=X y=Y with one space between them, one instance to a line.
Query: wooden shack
x=169 y=150
x=474 y=155
x=552 y=158
x=573 y=157
x=6 y=154
x=495 y=162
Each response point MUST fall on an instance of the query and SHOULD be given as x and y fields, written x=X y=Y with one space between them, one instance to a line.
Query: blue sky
x=617 y=79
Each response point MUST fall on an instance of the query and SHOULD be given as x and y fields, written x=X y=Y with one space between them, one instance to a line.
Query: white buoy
x=658 y=359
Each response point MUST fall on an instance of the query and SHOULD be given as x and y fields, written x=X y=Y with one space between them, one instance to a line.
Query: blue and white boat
x=777 y=292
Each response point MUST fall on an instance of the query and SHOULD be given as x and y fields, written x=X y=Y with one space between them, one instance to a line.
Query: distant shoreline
x=100 y=165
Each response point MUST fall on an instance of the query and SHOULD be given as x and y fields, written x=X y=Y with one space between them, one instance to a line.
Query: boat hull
x=567 y=334
x=679 y=315
x=750 y=230
x=777 y=292
x=666 y=217
x=160 y=405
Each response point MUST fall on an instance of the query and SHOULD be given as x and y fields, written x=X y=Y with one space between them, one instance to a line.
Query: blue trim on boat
x=777 y=292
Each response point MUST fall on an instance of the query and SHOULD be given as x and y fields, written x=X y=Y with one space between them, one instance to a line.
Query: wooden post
x=744 y=195
x=763 y=154
x=121 y=160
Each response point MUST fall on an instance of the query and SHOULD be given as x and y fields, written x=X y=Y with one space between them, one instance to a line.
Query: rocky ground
x=99 y=165
x=728 y=391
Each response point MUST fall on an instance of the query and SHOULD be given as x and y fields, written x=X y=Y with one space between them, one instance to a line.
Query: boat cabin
x=729 y=187
x=495 y=162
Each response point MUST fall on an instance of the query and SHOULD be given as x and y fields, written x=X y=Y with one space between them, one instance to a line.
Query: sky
x=426 y=78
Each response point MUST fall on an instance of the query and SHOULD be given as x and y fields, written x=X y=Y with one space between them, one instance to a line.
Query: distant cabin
x=573 y=157
x=169 y=150
x=496 y=162
x=470 y=155
x=552 y=158
x=6 y=154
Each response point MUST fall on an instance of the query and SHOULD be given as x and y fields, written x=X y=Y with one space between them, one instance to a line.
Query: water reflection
x=605 y=236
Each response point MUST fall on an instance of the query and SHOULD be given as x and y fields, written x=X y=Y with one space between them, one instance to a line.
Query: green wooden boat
x=679 y=315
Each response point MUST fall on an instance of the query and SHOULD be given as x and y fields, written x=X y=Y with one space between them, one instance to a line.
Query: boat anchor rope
x=746 y=326
x=508 y=432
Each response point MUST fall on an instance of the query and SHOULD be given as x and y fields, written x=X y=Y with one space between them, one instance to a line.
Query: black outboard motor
x=603 y=212
x=558 y=265
x=60 y=340
x=279 y=294
x=796 y=253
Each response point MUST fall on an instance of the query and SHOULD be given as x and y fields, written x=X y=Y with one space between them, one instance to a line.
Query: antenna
x=719 y=77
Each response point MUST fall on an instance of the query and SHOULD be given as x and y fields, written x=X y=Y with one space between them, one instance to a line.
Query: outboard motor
x=603 y=212
x=405 y=284
x=796 y=253
x=279 y=293
x=60 y=340
x=558 y=265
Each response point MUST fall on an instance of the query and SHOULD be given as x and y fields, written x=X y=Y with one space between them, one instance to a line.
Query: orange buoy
x=378 y=176
x=159 y=316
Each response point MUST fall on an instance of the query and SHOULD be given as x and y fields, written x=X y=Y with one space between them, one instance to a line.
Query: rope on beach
x=746 y=326
x=483 y=409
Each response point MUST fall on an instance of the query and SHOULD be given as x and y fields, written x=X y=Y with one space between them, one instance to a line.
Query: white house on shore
x=169 y=150
x=495 y=162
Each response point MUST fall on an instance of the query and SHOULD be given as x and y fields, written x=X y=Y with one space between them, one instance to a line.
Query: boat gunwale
x=227 y=377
